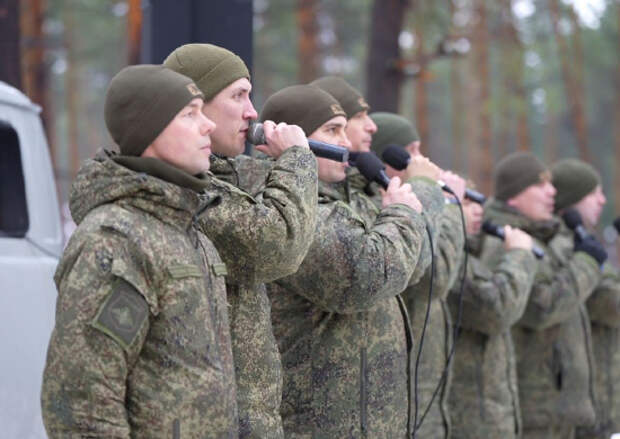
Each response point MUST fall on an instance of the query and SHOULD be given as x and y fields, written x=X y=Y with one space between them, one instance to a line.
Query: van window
x=13 y=209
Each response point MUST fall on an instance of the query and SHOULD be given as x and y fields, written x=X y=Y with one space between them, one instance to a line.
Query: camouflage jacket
x=604 y=310
x=341 y=328
x=141 y=345
x=552 y=339
x=278 y=226
x=431 y=369
x=484 y=401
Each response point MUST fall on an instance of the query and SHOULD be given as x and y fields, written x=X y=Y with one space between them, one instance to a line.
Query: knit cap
x=392 y=129
x=573 y=179
x=516 y=172
x=351 y=100
x=140 y=103
x=304 y=105
x=211 y=67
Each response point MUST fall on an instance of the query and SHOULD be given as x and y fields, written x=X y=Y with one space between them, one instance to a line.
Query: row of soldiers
x=211 y=294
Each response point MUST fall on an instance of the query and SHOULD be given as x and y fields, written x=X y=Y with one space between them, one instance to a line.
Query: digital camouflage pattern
x=280 y=226
x=449 y=243
x=604 y=310
x=340 y=326
x=484 y=400
x=141 y=345
x=552 y=338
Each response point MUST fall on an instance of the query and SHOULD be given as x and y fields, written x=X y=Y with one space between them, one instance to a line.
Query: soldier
x=141 y=345
x=483 y=396
x=339 y=321
x=432 y=380
x=579 y=187
x=269 y=240
x=552 y=338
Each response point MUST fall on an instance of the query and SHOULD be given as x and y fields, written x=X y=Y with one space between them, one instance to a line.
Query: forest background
x=479 y=78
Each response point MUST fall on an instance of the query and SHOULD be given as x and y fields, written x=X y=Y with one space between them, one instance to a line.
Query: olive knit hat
x=304 y=105
x=573 y=179
x=392 y=129
x=351 y=100
x=140 y=103
x=516 y=172
x=212 y=68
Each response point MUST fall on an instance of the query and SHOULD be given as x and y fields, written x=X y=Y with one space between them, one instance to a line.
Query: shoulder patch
x=123 y=313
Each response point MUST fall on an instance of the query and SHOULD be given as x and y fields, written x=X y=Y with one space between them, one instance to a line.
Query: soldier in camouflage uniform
x=340 y=325
x=579 y=186
x=552 y=338
x=278 y=233
x=141 y=345
x=484 y=399
x=448 y=239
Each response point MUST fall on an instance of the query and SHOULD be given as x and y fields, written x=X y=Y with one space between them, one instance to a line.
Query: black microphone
x=372 y=168
x=256 y=136
x=617 y=224
x=399 y=159
x=572 y=219
x=493 y=229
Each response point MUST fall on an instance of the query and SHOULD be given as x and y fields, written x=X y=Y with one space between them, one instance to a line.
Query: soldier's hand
x=454 y=182
x=397 y=194
x=421 y=166
x=281 y=137
x=516 y=238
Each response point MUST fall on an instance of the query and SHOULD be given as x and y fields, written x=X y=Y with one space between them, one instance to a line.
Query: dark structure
x=168 y=24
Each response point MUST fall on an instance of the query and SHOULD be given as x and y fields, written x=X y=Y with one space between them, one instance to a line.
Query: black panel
x=13 y=209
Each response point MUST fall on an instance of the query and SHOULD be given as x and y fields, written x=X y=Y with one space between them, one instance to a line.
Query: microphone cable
x=457 y=324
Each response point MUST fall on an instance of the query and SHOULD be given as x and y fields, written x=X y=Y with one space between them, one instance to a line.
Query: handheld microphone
x=399 y=159
x=572 y=219
x=372 y=168
x=256 y=136
x=493 y=229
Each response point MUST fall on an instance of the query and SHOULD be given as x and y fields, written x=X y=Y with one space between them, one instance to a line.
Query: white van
x=30 y=245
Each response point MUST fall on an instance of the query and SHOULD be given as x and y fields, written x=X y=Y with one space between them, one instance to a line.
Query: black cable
x=426 y=317
x=457 y=325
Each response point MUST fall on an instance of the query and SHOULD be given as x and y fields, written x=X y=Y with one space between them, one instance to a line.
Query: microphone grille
x=572 y=218
x=369 y=165
x=256 y=135
x=396 y=157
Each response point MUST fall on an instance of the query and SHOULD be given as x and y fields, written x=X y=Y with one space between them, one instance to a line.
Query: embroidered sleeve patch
x=123 y=313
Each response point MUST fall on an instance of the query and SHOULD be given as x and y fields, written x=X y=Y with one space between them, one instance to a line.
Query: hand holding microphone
x=261 y=134
x=493 y=229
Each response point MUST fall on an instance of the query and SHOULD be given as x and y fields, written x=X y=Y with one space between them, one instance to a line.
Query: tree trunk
x=308 y=50
x=72 y=92
x=574 y=95
x=383 y=75
x=485 y=158
x=134 y=32
x=421 y=98
x=35 y=74
x=10 y=67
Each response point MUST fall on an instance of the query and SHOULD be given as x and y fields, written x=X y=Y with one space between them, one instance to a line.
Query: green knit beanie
x=516 y=172
x=211 y=67
x=304 y=105
x=351 y=100
x=140 y=103
x=392 y=129
x=573 y=179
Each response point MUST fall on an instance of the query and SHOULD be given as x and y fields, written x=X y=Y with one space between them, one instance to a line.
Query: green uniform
x=141 y=345
x=448 y=247
x=272 y=235
x=341 y=327
x=604 y=310
x=484 y=400
x=552 y=339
